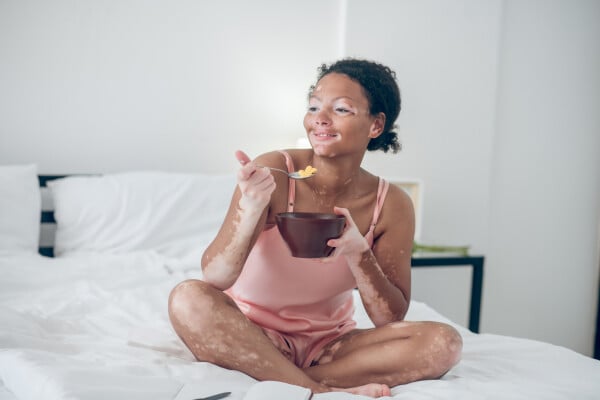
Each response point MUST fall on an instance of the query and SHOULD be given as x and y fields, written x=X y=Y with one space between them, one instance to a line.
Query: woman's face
x=338 y=120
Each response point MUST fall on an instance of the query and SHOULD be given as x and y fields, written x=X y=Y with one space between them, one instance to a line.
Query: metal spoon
x=215 y=396
x=293 y=175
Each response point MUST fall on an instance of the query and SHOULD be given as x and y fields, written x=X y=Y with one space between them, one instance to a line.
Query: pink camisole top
x=295 y=295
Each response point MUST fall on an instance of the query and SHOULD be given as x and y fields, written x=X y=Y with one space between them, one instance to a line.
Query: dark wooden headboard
x=47 y=217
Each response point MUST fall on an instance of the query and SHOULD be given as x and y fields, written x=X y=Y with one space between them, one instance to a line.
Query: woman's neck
x=335 y=178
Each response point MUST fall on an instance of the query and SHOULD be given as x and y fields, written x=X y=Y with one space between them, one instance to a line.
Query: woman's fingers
x=242 y=157
x=248 y=168
x=346 y=213
x=256 y=184
x=351 y=240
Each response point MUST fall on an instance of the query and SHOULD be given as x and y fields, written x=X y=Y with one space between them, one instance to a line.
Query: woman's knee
x=191 y=298
x=445 y=347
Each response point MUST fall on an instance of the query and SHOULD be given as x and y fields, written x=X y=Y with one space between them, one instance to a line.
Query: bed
x=91 y=322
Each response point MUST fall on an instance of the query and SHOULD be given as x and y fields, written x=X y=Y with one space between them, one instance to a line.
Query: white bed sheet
x=96 y=327
x=6 y=394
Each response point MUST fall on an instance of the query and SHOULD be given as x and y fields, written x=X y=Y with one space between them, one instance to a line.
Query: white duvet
x=96 y=327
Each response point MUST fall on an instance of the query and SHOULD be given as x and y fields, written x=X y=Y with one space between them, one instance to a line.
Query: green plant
x=418 y=247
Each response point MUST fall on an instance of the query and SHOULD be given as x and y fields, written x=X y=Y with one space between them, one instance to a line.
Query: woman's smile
x=319 y=135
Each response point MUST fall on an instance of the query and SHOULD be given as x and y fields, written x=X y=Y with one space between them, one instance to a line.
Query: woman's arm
x=382 y=273
x=224 y=258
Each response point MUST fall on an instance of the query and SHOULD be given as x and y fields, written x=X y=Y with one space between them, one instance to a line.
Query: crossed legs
x=365 y=362
x=397 y=353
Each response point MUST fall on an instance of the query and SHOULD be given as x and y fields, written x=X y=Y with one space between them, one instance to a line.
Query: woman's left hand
x=352 y=244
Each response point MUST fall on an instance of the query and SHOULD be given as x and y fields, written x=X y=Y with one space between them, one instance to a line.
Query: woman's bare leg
x=393 y=354
x=215 y=330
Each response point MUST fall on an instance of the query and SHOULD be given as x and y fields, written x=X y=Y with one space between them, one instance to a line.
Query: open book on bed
x=265 y=390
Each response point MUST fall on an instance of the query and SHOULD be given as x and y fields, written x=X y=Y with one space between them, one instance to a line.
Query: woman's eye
x=312 y=109
x=342 y=110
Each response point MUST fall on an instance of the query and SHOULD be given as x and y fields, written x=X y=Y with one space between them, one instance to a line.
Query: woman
x=274 y=317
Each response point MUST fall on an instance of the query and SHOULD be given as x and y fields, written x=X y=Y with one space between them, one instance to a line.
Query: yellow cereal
x=308 y=171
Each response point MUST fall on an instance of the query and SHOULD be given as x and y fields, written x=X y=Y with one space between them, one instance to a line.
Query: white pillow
x=173 y=214
x=20 y=208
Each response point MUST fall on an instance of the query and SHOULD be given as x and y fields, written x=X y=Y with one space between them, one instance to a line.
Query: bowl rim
x=309 y=215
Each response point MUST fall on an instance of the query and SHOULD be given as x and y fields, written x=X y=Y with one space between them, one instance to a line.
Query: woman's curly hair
x=381 y=89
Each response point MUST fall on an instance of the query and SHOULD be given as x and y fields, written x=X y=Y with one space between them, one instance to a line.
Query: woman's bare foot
x=370 y=390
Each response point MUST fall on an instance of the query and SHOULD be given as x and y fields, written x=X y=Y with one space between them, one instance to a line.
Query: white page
x=273 y=390
x=265 y=390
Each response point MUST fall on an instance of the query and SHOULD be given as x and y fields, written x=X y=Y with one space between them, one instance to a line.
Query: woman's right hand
x=256 y=184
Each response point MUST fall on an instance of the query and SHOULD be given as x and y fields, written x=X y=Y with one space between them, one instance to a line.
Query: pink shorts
x=303 y=349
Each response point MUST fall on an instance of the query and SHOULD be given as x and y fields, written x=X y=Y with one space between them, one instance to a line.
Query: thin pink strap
x=381 y=193
x=291 y=182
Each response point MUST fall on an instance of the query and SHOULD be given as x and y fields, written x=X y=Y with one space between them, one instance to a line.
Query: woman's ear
x=377 y=125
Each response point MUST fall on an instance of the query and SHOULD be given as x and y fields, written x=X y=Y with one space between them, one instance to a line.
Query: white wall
x=113 y=85
x=499 y=118
x=543 y=254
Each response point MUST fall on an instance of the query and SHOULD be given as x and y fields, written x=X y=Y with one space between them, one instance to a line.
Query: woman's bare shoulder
x=397 y=219
x=398 y=205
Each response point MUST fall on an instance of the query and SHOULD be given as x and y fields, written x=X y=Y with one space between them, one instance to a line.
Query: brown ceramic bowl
x=306 y=234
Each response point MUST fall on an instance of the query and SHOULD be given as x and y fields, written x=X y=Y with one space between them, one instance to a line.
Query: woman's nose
x=322 y=118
